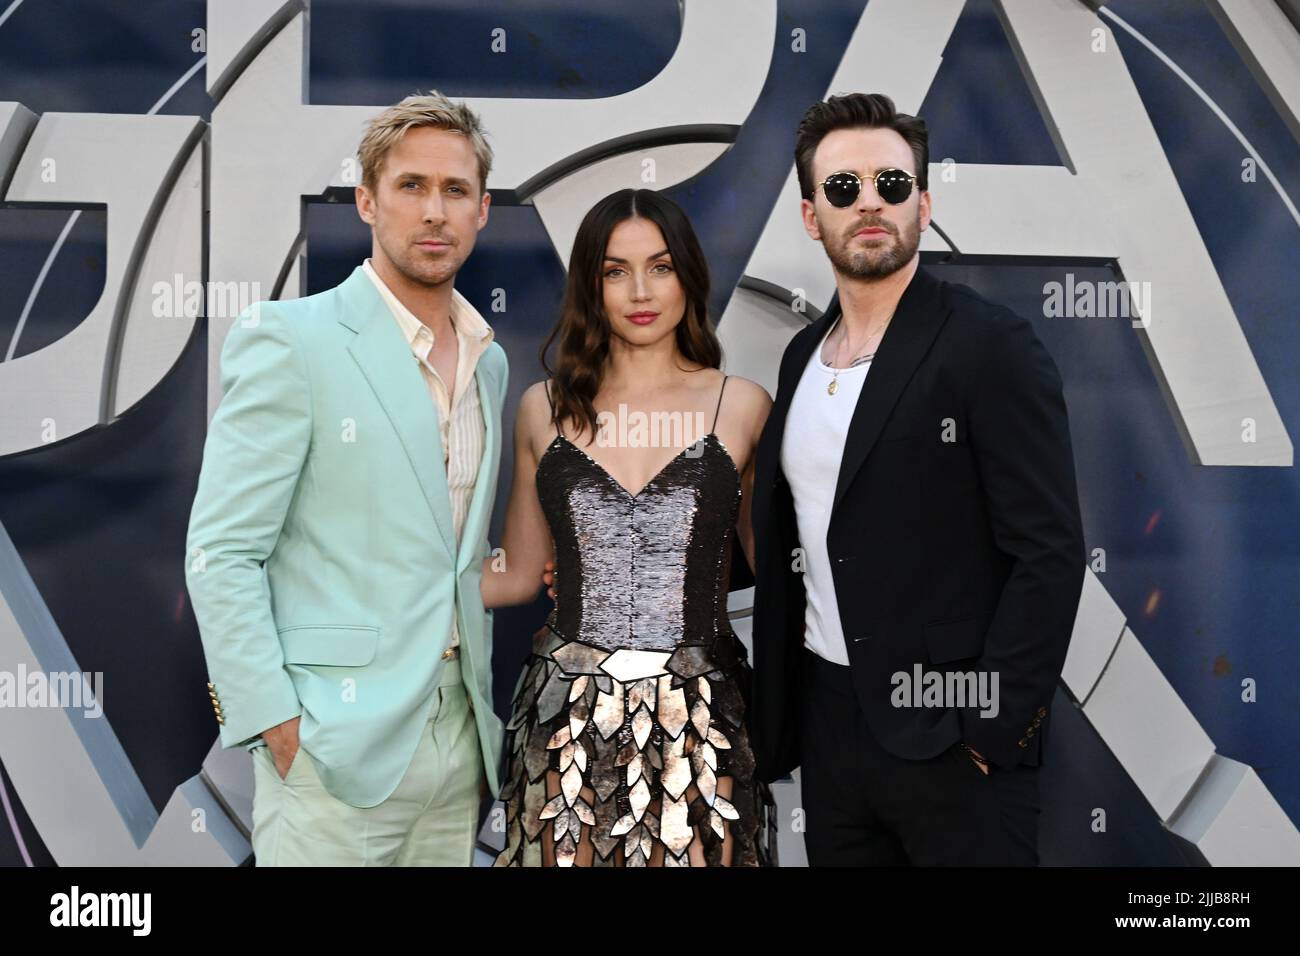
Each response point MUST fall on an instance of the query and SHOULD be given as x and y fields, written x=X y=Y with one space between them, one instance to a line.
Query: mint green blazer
x=322 y=561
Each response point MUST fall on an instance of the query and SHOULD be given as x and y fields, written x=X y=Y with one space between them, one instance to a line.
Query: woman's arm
x=750 y=406
x=744 y=526
x=514 y=574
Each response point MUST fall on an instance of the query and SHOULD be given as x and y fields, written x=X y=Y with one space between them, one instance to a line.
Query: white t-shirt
x=811 y=449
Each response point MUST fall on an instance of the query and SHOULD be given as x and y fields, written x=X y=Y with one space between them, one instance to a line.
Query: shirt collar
x=465 y=319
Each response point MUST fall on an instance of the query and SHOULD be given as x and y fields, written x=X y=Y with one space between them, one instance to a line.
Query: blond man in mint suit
x=338 y=534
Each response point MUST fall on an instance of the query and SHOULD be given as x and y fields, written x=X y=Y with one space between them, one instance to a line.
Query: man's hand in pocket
x=283 y=741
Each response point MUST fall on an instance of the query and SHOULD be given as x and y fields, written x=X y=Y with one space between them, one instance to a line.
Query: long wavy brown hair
x=581 y=336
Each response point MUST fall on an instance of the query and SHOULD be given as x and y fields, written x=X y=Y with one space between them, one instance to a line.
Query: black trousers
x=863 y=806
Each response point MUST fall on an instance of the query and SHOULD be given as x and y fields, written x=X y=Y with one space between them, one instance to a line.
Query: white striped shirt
x=460 y=416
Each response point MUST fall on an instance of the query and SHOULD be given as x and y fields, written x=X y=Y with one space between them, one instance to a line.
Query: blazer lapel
x=388 y=365
x=921 y=312
x=491 y=443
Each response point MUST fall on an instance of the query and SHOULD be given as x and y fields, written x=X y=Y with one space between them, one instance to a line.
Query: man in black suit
x=919 y=548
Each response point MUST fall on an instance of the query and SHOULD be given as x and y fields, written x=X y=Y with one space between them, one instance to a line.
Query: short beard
x=873 y=263
x=404 y=260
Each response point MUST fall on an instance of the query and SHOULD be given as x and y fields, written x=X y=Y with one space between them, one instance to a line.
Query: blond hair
x=416 y=110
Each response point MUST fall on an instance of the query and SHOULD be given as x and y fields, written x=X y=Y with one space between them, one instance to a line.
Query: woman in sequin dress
x=627 y=743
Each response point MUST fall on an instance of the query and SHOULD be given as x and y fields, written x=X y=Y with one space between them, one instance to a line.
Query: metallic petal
x=676 y=776
x=639 y=798
x=577 y=718
x=690 y=660
x=634 y=769
x=647 y=843
x=626 y=665
x=641 y=726
x=648 y=686
x=725 y=807
x=708 y=756
x=705 y=690
x=552 y=698
x=578 y=687
x=672 y=708
x=577 y=658
x=700 y=717
x=675 y=832
x=635 y=696
x=609 y=713
x=707 y=783
x=553 y=807
x=571 y=784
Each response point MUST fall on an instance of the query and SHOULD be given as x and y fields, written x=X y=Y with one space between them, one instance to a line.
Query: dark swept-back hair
x=582 y=334
x=854 y=111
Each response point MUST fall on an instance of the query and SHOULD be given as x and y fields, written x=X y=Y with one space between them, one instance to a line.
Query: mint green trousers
x=431 y=819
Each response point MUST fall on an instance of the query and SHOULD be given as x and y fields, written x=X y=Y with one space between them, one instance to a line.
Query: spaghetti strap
x=719 y=408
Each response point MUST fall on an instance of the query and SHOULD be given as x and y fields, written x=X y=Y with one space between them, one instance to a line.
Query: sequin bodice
x=646 y=571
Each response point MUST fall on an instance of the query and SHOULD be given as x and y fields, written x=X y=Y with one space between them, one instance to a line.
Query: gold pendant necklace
x=833 y=387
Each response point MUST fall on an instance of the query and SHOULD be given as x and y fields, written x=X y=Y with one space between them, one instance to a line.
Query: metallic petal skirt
x=639 y=741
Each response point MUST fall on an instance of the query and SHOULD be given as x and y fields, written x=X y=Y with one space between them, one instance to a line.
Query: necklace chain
x=833 y=387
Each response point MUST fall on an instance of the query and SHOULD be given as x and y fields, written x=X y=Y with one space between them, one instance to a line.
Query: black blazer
x=960 y=555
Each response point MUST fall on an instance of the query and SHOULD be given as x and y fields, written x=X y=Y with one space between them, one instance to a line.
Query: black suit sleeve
x=1020 y=436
